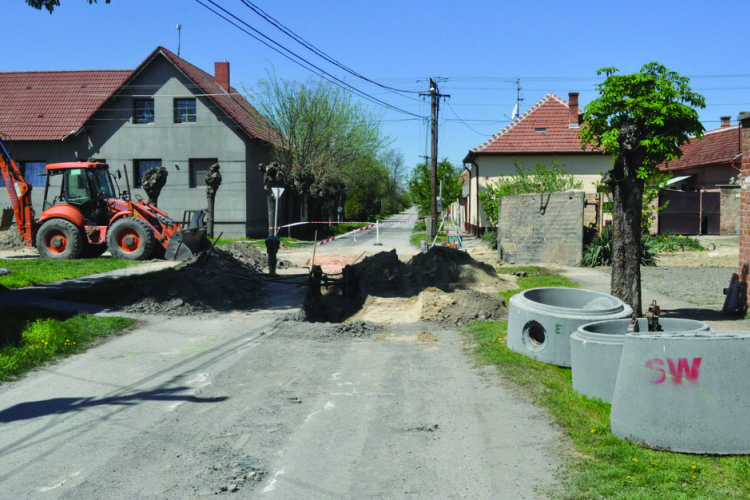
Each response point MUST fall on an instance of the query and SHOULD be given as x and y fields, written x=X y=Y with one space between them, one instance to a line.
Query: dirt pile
x=247 y=254
x=11 y=239
x=460 y=307
x=444 y=285
x=219 y=282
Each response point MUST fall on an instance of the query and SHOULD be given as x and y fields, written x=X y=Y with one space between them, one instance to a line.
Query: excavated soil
x=229 y=279
x=11 y=239
x=442 y=285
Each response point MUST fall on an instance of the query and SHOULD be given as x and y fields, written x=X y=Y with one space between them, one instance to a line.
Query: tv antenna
x=179 y=38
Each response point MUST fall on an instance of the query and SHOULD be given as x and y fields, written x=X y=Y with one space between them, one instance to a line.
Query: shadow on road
x=699 y=314
x=61 y=406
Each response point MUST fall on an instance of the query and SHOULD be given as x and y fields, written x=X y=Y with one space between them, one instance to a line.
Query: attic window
x=540 y=130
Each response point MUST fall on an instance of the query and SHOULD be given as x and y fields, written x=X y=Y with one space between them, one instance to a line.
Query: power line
x=309 y=46
x=320 y=72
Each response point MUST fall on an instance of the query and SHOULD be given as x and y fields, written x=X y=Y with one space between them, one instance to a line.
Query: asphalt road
x=247 y=404
x=393 y=233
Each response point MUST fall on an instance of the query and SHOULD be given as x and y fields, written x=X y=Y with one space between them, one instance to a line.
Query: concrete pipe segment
x=541 y=320
x=595 y=350
x=685 y=392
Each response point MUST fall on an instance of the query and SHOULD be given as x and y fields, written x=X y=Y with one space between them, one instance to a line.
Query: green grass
x=109 y=292
x=27 y=272
x=289 y=242
x=537 y=277
x=34 y=336
x=607 y=467
x=416 y=239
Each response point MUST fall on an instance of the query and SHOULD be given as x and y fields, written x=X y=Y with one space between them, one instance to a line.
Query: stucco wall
x=585 y=167
x=112 y=135
x=535 y=228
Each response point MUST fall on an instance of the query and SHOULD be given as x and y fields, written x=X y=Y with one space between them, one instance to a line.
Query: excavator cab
x=84 y=188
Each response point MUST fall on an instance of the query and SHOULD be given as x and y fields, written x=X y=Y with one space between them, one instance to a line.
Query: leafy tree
x=544 y=179
x=320 y=134
x=641 y=119
x=419 y=183
x=393 y=160
x=367 y=184
x=50 y=4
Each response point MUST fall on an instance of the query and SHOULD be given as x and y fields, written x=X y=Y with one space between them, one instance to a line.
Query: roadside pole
x=277 y=192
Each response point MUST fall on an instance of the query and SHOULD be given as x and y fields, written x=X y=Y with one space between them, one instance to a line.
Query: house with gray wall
x=166 y=112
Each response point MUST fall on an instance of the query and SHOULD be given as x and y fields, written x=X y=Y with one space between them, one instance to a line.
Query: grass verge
x=417 y=238
x=286 y=241
x=27 y=272
x=536 y=277
x=110 y=292
x=605 y=467
x=33 y=336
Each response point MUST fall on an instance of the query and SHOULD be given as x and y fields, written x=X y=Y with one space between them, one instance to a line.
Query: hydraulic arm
x=19 y=192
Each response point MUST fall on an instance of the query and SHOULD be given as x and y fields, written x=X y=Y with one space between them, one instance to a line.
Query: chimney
x=573 y=109
x=725 y=121
x=221 y=74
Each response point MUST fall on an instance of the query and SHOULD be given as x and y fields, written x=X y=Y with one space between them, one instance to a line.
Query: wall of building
x=730 y=209
x=112 y=135
x=585 y=167
x=535 y=228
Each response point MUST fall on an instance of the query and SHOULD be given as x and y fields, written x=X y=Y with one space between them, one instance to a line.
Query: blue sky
x=477 y=48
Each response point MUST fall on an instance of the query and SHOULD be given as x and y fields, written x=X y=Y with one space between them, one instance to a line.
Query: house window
x=140 y=167
x=143 y=111
x=184 y=110
x=198 y=169
x=33 y=172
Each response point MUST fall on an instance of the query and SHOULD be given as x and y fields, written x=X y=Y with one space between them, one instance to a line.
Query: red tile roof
x=543 y=129
x=48 y=105
x=721 y=145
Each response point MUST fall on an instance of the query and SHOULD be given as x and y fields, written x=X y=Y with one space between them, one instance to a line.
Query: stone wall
x=730 y=209
x=534 y=228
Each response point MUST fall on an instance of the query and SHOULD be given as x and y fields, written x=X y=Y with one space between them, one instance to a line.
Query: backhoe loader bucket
x=6 y=219
x=186 y=243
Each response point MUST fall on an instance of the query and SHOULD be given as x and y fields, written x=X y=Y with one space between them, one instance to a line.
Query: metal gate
x=689 y=212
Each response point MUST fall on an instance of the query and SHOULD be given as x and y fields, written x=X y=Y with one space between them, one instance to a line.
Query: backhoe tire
x=91 y=251
x=59 y=239
x=131 y=239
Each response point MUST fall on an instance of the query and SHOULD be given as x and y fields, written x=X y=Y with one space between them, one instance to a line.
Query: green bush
x=420 y=226
x=668 y=242
x=490 y=237
x=599 y=251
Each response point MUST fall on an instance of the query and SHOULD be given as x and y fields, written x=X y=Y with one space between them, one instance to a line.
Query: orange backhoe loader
x=86 y=216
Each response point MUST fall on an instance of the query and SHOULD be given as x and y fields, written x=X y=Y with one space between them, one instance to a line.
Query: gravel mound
x=219 y=282
x=460 y=307
x=11 y=239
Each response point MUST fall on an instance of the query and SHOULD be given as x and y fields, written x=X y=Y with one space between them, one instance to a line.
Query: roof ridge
x=67 y=71
x=515 y=122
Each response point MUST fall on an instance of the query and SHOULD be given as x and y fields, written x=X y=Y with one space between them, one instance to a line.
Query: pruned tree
x=640 y=119
x=51 y=4
x=152 y=183
x=213 y=181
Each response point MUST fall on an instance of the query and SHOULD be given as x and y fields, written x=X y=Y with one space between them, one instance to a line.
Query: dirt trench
x=443 y=285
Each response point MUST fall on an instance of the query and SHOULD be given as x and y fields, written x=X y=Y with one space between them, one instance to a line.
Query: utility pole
x=435 y=98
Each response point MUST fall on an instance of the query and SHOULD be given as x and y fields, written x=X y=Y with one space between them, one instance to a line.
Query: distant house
x=709 y=162
x=548 y=130
x=166 y=112
x=699 y=198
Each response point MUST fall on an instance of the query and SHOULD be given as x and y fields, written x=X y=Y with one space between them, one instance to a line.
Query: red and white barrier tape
x=323 y=242
x=350 y=222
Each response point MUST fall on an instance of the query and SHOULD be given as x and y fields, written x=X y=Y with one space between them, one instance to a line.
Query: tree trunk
x=627 y=192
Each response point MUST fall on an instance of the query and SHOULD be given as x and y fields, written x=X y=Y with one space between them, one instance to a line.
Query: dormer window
x=540 y=130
